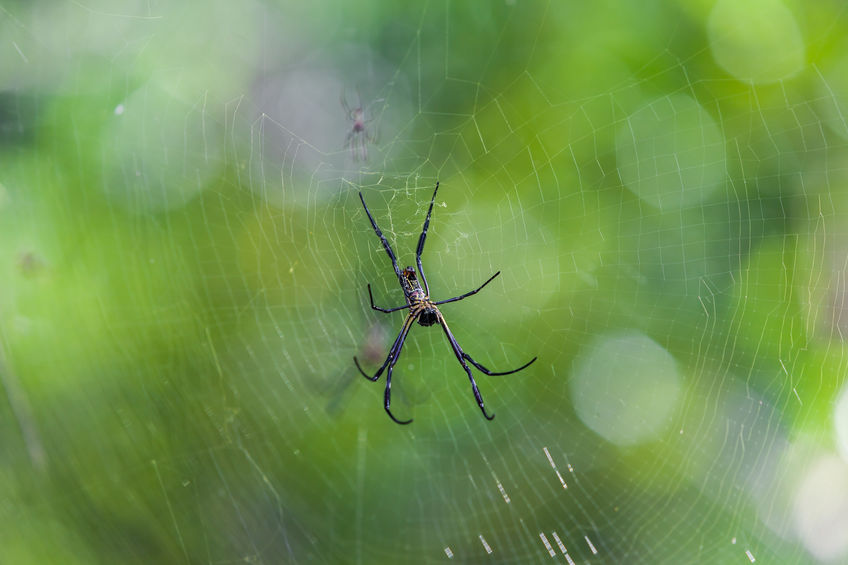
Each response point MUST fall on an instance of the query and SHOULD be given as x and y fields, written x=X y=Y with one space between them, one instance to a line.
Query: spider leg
x=387 y=399
x=358 y=98
x=394 y=355
x=386 y=310
x=470 y=293
x=386 y=245
x=460 y=356
x=393 y=351
x=363 y=147
x=345 y=105
x=493 y=374
x=421 y=241
x=372 y=137
x=355 y=142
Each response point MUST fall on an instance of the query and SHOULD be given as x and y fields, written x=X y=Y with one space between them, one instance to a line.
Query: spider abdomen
x=428 y=317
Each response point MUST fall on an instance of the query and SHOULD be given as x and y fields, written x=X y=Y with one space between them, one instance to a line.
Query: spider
x=425 y=312
x=358 y=137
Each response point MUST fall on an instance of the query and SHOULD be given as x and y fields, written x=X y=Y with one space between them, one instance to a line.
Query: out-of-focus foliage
x=183 y=261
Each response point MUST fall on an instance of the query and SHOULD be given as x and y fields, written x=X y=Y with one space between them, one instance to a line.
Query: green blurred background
x=184 y=260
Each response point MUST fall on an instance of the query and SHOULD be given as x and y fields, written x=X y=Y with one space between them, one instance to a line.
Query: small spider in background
x=30 y=264
x=426 y=313
x=337 y=389
x=358 y=137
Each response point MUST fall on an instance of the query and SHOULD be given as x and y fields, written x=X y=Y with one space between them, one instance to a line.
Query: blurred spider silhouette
x=358 y=137
x=426 y=313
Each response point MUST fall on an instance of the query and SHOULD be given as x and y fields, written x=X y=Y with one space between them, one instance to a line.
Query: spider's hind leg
x=388 y=398
x=460 y=356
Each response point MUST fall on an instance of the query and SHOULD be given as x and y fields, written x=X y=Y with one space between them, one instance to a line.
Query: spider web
x=185 y=262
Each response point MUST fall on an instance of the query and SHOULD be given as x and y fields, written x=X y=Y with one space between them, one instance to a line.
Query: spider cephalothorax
x=411 y=286
x=419 y=303
x=425 y=312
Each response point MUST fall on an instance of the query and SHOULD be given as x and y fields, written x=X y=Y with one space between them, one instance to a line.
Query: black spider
x=425 y=311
